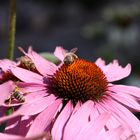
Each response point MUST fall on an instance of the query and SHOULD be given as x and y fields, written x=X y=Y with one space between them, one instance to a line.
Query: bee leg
x=9 y=101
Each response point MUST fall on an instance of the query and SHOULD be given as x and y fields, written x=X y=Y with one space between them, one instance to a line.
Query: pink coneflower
x=79 y=82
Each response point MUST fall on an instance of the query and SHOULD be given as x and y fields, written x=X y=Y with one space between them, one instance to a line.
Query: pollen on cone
x=80 y=81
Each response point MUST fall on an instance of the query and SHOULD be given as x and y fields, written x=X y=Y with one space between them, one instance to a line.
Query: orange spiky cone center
x=80 y=81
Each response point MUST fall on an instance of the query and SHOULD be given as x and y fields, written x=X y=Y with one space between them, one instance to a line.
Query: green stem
x=12 y=29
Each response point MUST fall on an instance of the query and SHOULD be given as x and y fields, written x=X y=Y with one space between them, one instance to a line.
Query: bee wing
x=71 y=51
x=74 y=50
x=65 y=52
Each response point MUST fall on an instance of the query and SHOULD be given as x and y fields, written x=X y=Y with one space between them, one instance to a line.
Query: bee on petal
x=16 y=94
x=26 y=63
x=70 y=56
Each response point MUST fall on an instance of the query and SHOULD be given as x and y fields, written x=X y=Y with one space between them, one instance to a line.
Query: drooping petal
x=32 y=97
x=2 y=111
x=36 y=106
x=93 y=128
x=19 y=125
x=115 y=120
x=58 y=127
x=43 y=136
x=6 y=63
x=113 y=71
x=31 y=87
x=31 y=108
x=29 y=98
x=122 y=114
x=127 y=100
x=137 y=135
x=124 y=90
x=10 y=137
x=5 y=118
x=26 y=75
x=5 y=91
x=114 y=134
x=60 y=53
x=11 y=126
x=84 y=111
x=44 y=119
x=78 y=105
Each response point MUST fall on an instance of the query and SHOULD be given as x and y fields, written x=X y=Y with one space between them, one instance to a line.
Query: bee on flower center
x=70 y=56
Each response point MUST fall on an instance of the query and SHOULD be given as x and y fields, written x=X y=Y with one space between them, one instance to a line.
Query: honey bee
x=17 y=94
x=70 y=56
x=27 y=63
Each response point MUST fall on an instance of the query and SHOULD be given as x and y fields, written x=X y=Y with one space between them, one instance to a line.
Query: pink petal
x=44 y=119
x=31 y=108
x=43 y=136
x=10 y=137
x=5 y=89
x=60 y=53
x=114 y=121
x=137 y=134
x=43 y=66
x=127 y=100
x=116 y=72
x=30 y=49
x=36 y=106
x=29 y=98
x=100 y=62
x=98 y=124
x=113 y=134
x=19 y=125
x=6 y=63
x=60 y=122
x=27 y=76
x=32 y=97
x=11 y=126
x=5 y=118
x=124 y=116
x=131 y=90
x=31 y=87
x=78 y=105
x=93 y=128
x=2 y=111
x=84 y=113
x=113 y=71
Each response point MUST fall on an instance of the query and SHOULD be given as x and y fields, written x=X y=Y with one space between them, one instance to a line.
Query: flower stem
x=12 y=29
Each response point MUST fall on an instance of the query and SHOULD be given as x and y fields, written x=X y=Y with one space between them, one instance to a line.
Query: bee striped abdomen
x=18 y=96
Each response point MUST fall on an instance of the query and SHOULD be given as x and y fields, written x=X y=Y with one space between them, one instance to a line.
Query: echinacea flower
x=81 y=81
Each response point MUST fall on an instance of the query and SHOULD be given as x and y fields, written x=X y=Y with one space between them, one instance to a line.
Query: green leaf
x=50 y=56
